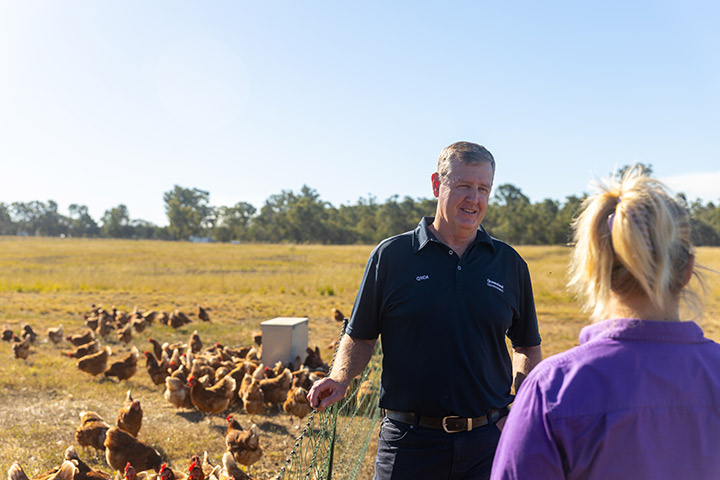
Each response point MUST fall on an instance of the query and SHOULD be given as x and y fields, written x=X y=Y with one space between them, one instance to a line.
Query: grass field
x=47 y=282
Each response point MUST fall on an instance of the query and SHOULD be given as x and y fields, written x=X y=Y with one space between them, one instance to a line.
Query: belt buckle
x=452 y=417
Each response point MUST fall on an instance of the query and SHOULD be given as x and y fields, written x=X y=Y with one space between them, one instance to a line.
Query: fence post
x=334 y=422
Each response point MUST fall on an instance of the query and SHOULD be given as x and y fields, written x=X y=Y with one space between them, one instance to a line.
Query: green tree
x=567 y=213
x=358 y=222
x=81 y=223
x=116 y=223
x=188 y=212
x=705 y=223
x=7 y=226
x=233 y=222
x=508 y=215
x=39 y=218
x=142 y=229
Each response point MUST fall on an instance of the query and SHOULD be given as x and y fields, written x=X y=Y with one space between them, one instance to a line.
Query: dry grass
x=47 y=282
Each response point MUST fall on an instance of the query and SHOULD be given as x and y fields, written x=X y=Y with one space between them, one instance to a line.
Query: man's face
x=463 y=196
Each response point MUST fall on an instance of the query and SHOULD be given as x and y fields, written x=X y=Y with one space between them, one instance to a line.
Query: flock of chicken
x=211 y=380
x=139 y=461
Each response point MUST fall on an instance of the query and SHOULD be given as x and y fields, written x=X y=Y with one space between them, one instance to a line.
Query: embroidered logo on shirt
x=495 y=285
x=420 y=278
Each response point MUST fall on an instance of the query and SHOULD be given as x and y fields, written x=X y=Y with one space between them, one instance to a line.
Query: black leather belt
x=451 y=423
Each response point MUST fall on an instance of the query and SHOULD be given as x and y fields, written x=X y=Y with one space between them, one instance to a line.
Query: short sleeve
x=524 y=330
x=365 y=318
x=527 y=449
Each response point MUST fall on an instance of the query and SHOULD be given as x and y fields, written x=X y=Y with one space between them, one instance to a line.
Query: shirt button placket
x=458 y=277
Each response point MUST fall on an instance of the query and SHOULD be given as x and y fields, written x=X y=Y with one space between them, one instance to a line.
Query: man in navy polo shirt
x=442 y=298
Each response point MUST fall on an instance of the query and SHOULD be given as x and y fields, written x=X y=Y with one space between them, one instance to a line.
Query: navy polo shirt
x=442 y=321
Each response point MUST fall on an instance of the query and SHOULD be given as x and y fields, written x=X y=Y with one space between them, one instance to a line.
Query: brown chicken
x=92 y=431
x=167 y=473
x=125 y=334
x=92 y=323
x=106 y=326
x=125 y=368
x=27 y=333
x=150 y=316
x=243 y=444
x=121 y=448
x=157 y=371
x=132 y=474
x=178 y=319
x=56 y=335
x=7 y=333
x=157 y=348
x=84 y=471
x=66 y=471
x=337 y=315
x=84 y=349
x=81 y=338
x=195 y=344
x=202 y=314
x=215 y=399
x=230 y=470
x=296 y=402
x=21 y=348
x=366 y=397
x=275 y=389
x=177 y=390
x=203 y=469
x=313 y=359
x=130 y=416
x=195 y=471
x=162 y=317
x=139 y=324
x=95 y=363
x=251 y=395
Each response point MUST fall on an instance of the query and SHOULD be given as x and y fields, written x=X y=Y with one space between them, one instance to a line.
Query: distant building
x=195 y=239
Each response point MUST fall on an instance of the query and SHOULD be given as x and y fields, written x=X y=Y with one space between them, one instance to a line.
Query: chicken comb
x=163 y=467
x=192 y=466
x=229 y=418
x=128 y=466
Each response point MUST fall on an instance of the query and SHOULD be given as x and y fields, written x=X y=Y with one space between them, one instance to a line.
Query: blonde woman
x=640 y=396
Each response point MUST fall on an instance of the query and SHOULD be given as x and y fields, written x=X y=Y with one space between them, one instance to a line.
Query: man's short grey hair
x=467 y=152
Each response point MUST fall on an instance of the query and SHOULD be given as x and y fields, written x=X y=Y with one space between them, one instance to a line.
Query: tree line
x=303 y=217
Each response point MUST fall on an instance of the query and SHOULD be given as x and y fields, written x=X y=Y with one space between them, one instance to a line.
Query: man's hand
x=325 y=392
x=352 y=357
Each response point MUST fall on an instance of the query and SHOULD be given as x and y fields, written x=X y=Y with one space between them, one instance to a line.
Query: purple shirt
x=637 y=399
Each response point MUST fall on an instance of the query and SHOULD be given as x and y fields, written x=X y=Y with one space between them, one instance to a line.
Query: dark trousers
x=409 y=452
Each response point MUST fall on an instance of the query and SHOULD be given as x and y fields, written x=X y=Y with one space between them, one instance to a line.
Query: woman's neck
x=641 y=308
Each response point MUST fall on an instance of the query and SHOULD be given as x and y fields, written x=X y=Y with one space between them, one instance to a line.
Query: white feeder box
x=283 y=339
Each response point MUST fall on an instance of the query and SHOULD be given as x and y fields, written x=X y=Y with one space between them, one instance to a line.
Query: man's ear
x=435 y=184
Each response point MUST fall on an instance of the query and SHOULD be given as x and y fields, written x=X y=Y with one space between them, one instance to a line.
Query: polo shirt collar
x=422 y=235
x=632 y=329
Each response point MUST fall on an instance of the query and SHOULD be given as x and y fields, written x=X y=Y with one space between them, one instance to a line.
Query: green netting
x=334 y=443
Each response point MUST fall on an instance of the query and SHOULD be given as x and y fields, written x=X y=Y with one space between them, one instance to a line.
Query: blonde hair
x=632 y=238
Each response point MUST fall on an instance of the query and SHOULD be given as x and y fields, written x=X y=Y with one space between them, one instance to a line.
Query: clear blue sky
x=111 y=102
